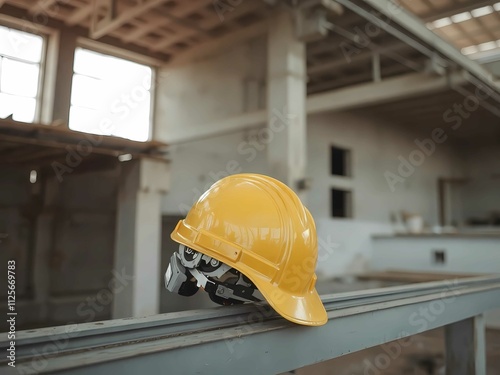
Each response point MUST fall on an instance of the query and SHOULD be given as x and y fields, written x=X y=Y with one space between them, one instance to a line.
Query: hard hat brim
x=306 y=309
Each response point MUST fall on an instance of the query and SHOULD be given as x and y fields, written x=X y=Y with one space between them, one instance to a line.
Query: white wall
x=375 y=147
x=196 y=165
x=212 y=89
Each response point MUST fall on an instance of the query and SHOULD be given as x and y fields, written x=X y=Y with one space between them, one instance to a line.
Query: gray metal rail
x=249 y=339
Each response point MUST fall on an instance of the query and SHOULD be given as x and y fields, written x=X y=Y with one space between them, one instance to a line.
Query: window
x=20 y=74
x=110 y=96
x=340 y=161
x=341 y=203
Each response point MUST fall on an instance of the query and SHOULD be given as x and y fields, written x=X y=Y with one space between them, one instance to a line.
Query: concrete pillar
x=465 y=347
x=137 y=274
x=44 y=230
x=286 y=102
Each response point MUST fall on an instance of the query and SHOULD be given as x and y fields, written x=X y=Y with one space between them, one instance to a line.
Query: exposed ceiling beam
x=349 y=80
x=397 y=88
x=42 y=5
x=362 y=56
x=79 y=15
x=209 y=23
x=411 y=30
x=106 y=26
x=182 y=10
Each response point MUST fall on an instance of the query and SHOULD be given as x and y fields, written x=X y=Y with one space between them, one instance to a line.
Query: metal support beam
x=251 y=338
x=413 y=31
x=410 y=85
x=137 y=251
x=465 y=347
x=286 y=101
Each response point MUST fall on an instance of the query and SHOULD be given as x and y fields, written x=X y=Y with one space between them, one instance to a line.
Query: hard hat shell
x=259 y=226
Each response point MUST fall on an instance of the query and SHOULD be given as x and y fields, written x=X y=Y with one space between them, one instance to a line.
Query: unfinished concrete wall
x=345 y=244
x=213 y=89
x=196 y=165
x=63 y=272
x=376 y=148
x=16 y=225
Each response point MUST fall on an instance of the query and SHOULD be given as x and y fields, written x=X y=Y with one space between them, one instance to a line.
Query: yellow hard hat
x=259 y=226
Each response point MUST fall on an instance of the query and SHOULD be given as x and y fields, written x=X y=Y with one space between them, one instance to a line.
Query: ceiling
x=473 y=26
x=164 y=28
x=169 y=29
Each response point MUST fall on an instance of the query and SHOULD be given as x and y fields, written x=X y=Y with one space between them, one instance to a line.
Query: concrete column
x=465 y=347
x=286 y=102
x=137 y=274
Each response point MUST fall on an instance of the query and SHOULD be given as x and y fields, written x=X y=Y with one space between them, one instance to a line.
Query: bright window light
x=483 y=11
x=442 y=22
x=110 y=96
x=20 y=59
x=487 y=46
x=461 y=17
x=469 y=50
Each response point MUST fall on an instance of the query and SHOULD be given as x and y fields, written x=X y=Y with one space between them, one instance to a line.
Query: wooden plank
x=179 y=12
x=210 y=22
x=79 y=15
x=101 y=29
x=34 y=130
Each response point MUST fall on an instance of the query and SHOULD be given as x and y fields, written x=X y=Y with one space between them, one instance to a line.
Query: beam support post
x=286 y=102
x=465 y=347
x=138 y=244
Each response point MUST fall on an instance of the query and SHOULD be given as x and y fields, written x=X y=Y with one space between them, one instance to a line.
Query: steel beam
x=250 y=338
x=411 y=30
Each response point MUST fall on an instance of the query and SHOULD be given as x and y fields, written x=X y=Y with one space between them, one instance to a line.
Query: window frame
x=120 y=53
x=48 y=35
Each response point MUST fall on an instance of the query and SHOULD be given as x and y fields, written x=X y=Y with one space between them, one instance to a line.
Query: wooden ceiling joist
x=109 y=24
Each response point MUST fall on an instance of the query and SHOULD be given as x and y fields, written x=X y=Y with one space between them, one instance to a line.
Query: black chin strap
x=234 y=293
